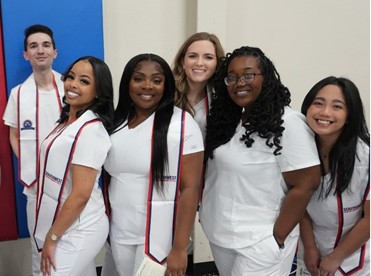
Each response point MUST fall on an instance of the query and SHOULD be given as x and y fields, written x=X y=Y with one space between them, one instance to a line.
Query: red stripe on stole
x=202 y=184
x=363 y=248
x=359 y=267
x=179 y=172
x=39 y=195
x=340 y=219
x=149 y=205
x=150 y=193
x=340 y=230
x=72 y=151
x=69 y=163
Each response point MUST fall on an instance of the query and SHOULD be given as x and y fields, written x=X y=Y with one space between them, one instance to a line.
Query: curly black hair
x=263 y=118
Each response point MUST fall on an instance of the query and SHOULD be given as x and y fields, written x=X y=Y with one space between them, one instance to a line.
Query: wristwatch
x=53 y=236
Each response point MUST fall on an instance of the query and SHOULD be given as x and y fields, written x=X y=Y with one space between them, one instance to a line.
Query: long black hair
x=103 y=103
x=344 y=152
x=125 y=112
x=265 y=115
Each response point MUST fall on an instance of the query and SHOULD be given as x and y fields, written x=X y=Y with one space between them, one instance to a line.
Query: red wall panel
x=8 y=220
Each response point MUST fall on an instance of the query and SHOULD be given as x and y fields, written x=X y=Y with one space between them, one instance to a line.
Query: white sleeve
x=193 y=141
x=361 y=173
x=299 y=147
x=10 y=114
x=92 y=146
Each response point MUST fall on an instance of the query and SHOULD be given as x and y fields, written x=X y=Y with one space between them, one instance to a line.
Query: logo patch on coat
x=27 y=125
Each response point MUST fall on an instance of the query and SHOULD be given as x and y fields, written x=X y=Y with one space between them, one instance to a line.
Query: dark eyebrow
x=245 y=68
x=153 y=75
x=158 y=74
x=86 y=76
x=82 y=76
x=334 y=101
x=43 y=42
x=339 y=101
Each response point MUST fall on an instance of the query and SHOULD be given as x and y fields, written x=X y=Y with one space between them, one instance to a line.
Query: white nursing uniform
x=128 y=163
x=245 y=188
x=329 y=221
x=49 y=112
x=83 y=240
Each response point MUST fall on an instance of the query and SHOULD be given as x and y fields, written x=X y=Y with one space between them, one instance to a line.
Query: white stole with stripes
x=162 y=207
x=53 y=174
x=28 y=126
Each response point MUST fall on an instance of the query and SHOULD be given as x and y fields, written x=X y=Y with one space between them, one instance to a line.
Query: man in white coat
x=32 y=110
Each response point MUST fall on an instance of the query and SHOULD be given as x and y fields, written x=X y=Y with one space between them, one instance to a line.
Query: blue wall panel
x=78 y=31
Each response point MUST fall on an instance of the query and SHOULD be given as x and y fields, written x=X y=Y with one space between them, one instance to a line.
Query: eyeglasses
x=245 y=79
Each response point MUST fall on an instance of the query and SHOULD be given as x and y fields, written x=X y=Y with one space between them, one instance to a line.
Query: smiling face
x=200 y=61
x=244 y=95
x=40 y=51
x=79 y=86
x=328 y=113
x=146 y=86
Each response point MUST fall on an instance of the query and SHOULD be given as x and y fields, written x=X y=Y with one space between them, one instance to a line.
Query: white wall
x=144 y=26
x=306 y=40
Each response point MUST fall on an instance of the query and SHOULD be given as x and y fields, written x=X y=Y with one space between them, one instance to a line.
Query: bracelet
x=53 y=236
x=280 y=246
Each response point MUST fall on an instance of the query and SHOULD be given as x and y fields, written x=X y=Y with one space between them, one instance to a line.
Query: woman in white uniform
x=336 y=229
x=262 y=167
x=155 y=166
x=194 y=71
x=71 y=223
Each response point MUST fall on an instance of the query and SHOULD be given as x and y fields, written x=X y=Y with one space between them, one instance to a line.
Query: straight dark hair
x=103 y=103
x=37 y=28
x=125 y=111
x=344 y=152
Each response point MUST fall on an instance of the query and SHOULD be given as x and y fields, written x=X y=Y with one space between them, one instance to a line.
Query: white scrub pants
x=76 y=250
x=127 y=257
x=109 y=266
x=30 y=212
x=263 y=258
